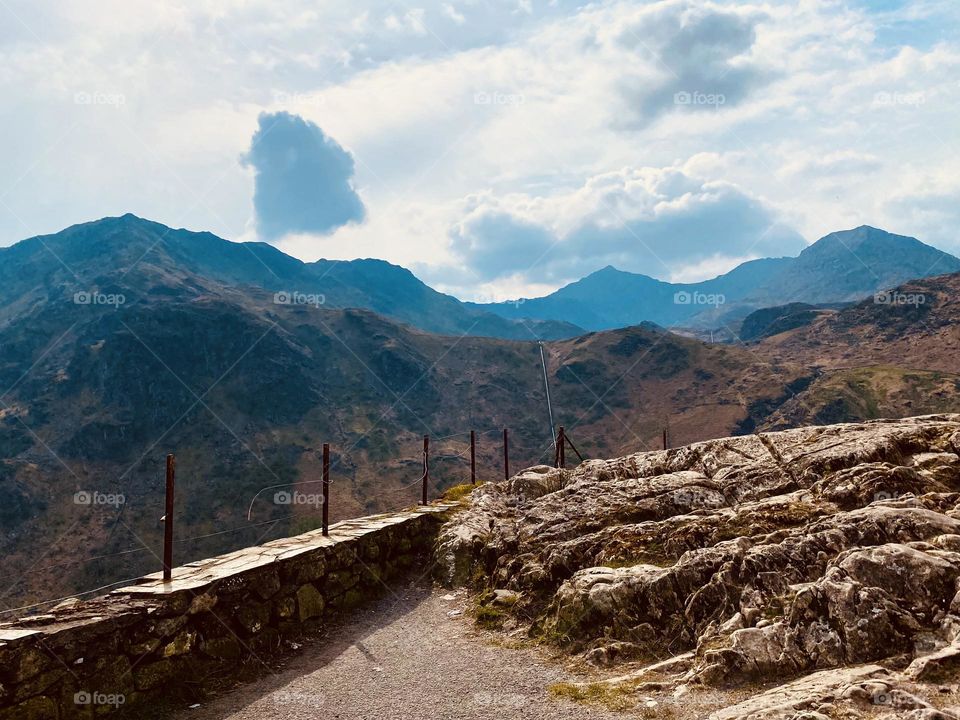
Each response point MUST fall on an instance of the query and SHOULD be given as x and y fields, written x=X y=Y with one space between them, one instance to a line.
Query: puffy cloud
x=303 y=178
x=659 y=221
x=494 y=243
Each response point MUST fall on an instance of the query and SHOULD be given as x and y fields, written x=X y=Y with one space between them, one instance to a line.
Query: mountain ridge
x=70 y=256
x=821 y=273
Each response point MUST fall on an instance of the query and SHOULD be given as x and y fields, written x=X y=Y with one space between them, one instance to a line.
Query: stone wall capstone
x=152 y=640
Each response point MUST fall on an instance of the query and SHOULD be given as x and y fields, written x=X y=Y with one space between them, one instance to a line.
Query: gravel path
x=405 y=658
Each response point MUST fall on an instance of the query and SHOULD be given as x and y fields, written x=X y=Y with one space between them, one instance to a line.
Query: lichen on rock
x=766 y=558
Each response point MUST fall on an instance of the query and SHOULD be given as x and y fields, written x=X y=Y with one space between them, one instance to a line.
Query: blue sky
x=499 y=147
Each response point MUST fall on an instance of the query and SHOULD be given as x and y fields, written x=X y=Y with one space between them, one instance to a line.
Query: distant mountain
x=611 y=298
x=914 y=325
x=850 y=265
x=86 y=253
x=840 y=267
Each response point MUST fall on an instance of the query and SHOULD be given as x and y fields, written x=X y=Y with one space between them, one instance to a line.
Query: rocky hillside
x=811 y=573
x=912 y=325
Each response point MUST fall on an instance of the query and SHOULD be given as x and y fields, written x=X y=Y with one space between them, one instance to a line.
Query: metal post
x=506 y=454
x=664 y=438
x=168 y=520
x=426 y=467
x=561 y=448
x=473 y=457
x=326 y=489
x=546 y=389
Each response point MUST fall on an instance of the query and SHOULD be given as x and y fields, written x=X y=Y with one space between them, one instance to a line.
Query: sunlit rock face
x=750 y=559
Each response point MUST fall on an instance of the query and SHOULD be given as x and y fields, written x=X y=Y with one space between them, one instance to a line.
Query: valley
x=201 y=359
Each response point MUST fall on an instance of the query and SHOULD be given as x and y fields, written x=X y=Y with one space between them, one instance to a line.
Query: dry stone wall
x=157 y=641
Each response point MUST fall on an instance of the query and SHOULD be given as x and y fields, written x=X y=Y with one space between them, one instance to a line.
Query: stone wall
x=156 y=640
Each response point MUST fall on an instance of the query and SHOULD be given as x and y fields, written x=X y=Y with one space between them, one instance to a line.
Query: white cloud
x=659 y=221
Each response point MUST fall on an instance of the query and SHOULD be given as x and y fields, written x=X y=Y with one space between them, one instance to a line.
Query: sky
x=498 y=148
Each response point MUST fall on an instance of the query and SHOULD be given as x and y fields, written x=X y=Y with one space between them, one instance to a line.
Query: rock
x=787 y=700
x=285 y=608
x=508 y=598
x=149 y=676
x=771 y=556
x=937 y=666
x=223 y=648
x=536 y=482
x=38 y=708
x=202 y=603
x=253 y=617
x=309 y=603
x=181 y=645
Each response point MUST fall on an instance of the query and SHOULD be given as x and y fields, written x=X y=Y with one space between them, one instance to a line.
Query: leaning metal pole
x=546 y=387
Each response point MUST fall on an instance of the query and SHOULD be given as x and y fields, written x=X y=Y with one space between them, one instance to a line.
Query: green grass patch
x=614 y=697
x=489 y=618
x=458 y=493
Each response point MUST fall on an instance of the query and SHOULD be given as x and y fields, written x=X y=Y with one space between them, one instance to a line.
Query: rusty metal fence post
x=326 y=489
x=506 y=454
x=426 y=468
x=473 y=457
x=561 y=449
x=168 y=520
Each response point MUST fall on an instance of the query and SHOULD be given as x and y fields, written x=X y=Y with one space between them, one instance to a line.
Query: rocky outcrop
x=765 y=558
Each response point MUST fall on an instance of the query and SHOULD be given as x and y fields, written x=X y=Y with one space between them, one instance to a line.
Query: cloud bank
x=657 y=221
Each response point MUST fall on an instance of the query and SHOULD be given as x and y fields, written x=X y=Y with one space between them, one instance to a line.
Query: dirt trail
x=405 y=658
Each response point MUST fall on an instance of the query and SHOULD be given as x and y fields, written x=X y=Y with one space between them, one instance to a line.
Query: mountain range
x=840 y=267
x=122 y=340
x=79 y=255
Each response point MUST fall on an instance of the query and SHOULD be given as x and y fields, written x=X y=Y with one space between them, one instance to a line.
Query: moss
x=478 y=578
x=459 y=492
x=767 y=520
x=489 y=618
x=615 y=697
